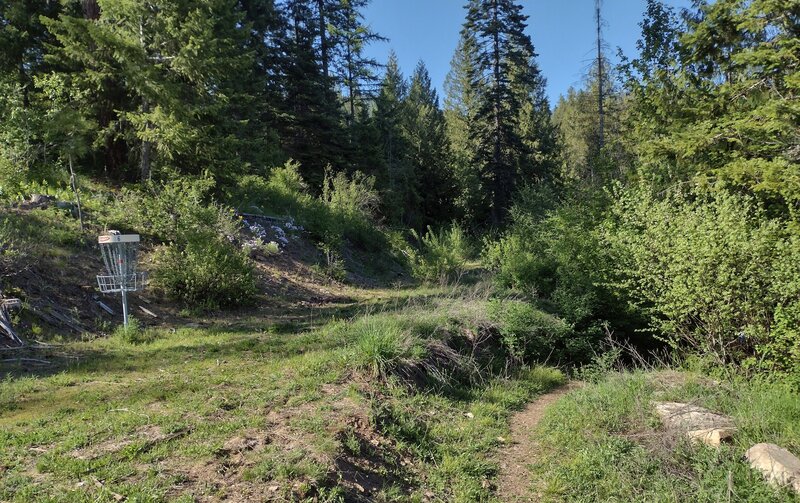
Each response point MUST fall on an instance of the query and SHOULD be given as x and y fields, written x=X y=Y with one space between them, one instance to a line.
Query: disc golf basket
x=119 y=256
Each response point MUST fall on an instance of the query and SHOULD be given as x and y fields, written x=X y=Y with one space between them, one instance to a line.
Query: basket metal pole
x=124 y=308
x=123 y=269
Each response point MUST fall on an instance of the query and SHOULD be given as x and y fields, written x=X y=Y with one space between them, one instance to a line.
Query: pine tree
x=312 y=131
x=397 y=178
x=504 y=75
x=354 y=71
x=23 y=38
x=717 y=101
x=162 y=75
x=583 y=157
x=460 y=108
x=428 y=151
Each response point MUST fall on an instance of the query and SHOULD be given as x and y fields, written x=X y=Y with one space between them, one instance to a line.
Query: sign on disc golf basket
x=119 y=256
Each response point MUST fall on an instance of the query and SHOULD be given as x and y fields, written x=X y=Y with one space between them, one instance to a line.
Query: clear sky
x=562 y=32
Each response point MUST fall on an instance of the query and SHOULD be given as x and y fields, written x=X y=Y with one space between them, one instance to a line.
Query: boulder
x=712 y=436
x=779 y=466
x=697 y=423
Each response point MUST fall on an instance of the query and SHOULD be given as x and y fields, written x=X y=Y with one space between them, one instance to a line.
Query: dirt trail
x=513 y=481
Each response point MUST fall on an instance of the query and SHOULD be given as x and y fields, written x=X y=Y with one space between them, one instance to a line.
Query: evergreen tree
x=460 y=107
x=354 y=71
x=576 y=118
x=428 y=151
x=717 y=100
x=313 y=132
x=23 y=38
x=397 y=178
x=504 y=76
x=162 y=75
x=23 y=44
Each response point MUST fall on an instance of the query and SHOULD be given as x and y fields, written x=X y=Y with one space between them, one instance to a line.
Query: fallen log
x=5 y=321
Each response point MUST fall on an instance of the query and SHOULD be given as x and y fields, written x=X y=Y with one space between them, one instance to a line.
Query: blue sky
x=562 y=32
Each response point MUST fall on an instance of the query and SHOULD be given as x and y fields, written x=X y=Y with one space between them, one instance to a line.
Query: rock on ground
x=779 y=466
x=697 y=423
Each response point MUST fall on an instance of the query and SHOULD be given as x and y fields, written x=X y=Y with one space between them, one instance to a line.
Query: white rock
x=690 y=417
x=779 y=466
x=712 y=436
x=697 y=423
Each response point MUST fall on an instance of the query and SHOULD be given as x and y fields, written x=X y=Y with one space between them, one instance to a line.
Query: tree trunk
x=74 y=183
x=323 y=37
x=600 y=110
x=91 y=10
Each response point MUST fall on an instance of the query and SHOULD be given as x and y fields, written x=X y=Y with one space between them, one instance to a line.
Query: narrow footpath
x=514 y=480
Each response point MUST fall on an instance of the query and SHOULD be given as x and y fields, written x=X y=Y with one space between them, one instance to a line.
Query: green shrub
x=442 y=255
x=345 y=209
x=529 y=334
x=283 y=193
x=714 y=272
x=174 y=211
x=559 y=257
x=8 y=251
x=198 y=263
x=205 y=273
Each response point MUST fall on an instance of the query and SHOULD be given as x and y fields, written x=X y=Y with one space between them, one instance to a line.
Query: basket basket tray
x=117 y=283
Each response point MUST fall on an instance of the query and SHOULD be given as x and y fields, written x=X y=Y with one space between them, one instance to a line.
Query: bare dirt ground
x=514 y=479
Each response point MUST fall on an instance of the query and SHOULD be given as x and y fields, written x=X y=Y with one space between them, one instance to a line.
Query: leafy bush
x=198 y=263
x=205 y=273
x=442 y=254
x=560 y=260
x=715 y=273
x=559 y=257
x=343 y=213
x=530 y=334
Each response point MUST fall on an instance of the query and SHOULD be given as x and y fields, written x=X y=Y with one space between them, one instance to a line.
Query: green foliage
x=382 y=344
x=351 y=204
x=559 y=256
x=442 y=255
x=509 y=119
x=716 y=98
x=343 y=214
x=198 y=263
x=530 y=334
x=205 y=273
x=715 y=274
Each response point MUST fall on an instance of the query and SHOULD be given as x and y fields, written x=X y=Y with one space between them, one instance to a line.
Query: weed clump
x=383 y=345
x=134 y=333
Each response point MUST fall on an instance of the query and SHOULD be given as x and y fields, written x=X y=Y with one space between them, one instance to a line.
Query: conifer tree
x=397 y=178
x=504 y=76
x=162 y=74
x=460 y=107
x=313 y=132
x=355 y=72
x=428 y=150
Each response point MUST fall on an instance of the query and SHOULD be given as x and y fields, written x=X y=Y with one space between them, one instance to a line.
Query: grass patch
x=604 y=442
x=207 y=413
x=452 y=434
